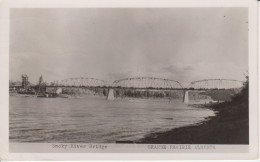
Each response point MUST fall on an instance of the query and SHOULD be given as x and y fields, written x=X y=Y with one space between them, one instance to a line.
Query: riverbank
x=229 y=126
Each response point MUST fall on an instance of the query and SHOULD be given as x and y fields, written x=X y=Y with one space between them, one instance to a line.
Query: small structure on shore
x=59 y=91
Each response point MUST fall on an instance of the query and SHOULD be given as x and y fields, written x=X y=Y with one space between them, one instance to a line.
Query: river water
x=95 y=120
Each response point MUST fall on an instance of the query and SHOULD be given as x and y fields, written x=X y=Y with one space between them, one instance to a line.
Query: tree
x=41 y=85
x=25 y=81
x=40 y=80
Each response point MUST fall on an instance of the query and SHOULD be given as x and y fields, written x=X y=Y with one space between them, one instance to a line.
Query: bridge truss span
x=216 y=84
x=81 y=82
x=147 y=82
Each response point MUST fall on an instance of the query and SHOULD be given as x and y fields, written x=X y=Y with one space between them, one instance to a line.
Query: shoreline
x=100 y=96
x=226 y=127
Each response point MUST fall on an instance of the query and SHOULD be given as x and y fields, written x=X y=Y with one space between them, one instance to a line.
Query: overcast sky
x=109 y=44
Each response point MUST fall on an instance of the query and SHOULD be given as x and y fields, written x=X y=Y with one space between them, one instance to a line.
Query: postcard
x=129 y=80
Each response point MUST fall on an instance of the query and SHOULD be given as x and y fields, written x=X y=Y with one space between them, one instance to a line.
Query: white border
x=5 y=5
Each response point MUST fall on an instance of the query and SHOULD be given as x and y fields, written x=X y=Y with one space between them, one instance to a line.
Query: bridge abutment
x=110 y=95
x=186 y=97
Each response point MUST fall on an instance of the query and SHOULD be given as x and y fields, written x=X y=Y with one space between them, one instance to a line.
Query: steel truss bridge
x=149 y=83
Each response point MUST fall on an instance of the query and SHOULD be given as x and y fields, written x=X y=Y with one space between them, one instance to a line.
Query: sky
x=182 y=44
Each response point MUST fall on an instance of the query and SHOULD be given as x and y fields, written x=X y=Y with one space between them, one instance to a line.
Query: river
x=95 y=119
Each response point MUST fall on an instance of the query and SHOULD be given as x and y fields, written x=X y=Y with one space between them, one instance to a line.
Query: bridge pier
x=186 y=97
x=110 y=95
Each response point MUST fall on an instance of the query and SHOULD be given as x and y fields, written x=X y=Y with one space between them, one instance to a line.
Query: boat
x=42 y=96
x=46 y=96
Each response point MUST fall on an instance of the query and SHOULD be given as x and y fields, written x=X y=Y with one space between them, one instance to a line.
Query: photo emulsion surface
x=129 y=76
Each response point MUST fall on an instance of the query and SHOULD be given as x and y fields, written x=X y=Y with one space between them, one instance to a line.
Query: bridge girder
x=147 y=82
x=216 y=84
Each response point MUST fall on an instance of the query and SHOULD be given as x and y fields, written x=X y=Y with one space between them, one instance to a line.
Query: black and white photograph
x=158 y=78
x=127 y=75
